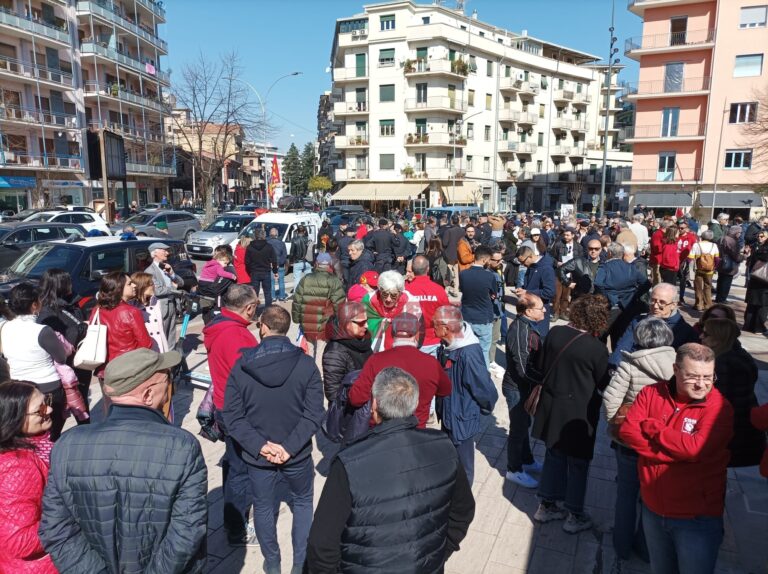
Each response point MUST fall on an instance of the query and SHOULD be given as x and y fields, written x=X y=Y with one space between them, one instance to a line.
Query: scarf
x=380 y=319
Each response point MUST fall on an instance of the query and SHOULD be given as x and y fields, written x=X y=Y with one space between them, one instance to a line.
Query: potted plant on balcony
x=408 y=66
x=424 y=175
x=424 y=138
x=407 y=171
x=461 y=140
x=358 y=140
x=409 y=139
x=460 y=67
x=511 y=174
x=460 y=174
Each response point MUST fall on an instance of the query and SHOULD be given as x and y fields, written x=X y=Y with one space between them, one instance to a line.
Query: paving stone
x=546 y=561
x=474 y=553
x=600 y=493
x=513 y=546
x=552 y=536
x=489 y=514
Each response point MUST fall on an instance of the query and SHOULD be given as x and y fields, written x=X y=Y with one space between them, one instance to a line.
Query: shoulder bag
x=760 y=272
x=92 y=350
x=532 y=403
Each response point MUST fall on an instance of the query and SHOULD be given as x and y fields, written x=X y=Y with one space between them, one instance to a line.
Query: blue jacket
x=280 y=251
x=477 y=286
x=682 y=331
x=473 y=392
x=540 y=278
x=619 y=281
x=274 y=393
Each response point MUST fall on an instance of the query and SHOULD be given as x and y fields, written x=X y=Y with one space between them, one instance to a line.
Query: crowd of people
x=408 y=335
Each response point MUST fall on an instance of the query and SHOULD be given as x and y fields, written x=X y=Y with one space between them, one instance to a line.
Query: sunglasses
x=388 y=295
x=361 y=323
x=593 y=248
x=42 y=410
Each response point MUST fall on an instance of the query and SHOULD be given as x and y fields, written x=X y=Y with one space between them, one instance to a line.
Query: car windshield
x=40 y=217
x=254 y=225
x=43 y=256
x=228 y=224
x=140 y=219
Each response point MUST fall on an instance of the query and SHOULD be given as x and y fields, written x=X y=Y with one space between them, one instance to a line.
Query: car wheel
x=187 y=235
x=141 y=234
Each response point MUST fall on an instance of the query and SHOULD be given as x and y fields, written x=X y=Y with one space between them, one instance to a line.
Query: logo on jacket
x=426 y=298
x=689 y=425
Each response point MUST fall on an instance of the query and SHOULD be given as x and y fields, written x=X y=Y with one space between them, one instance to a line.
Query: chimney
x=474 y=14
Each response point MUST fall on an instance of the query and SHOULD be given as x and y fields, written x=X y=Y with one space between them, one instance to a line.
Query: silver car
x=179 y=224
x=221 y=232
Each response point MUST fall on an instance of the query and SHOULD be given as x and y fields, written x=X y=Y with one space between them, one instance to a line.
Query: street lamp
x=613 y=50
x=456 y=134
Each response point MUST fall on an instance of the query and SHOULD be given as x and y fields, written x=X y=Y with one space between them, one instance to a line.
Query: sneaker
x=247 y=538
x=549 y=511
x=535 y=466
x=522 y=479
x=577 y=522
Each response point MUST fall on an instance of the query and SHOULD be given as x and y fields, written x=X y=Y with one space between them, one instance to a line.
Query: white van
x=286 y=223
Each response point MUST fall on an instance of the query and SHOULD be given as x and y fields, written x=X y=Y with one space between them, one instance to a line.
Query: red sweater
x=684 y=455
x=224 y=338
x=670 y=257
x=685 y=243
x=430 y=296
x=427 y=371
x=240 y=270
x=657 y=240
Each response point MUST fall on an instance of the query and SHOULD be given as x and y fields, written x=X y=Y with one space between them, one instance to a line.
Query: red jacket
x=684 y=454
x=125 y=331
x=685 y=244
x=240 y=270
x=759 y=419
x=427 y=371
x=224 y=339
x=430 y=296
x=657 y=240
x=22 y=481
x=670 y=257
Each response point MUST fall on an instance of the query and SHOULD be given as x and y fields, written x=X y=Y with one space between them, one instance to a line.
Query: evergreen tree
x=308 y=161
x=292 y=170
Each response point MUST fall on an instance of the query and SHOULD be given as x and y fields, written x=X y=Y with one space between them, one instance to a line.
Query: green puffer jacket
x=315 y=301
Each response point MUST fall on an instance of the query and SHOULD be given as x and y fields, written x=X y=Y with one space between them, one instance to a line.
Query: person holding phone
x=166 y=282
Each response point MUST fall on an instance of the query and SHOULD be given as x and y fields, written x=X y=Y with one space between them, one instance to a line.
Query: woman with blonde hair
x=240 y=270
x=146 y=302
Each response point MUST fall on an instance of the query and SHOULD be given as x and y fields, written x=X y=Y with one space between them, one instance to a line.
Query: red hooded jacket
x=683 y=451
x=430 y=296
x=657 y=240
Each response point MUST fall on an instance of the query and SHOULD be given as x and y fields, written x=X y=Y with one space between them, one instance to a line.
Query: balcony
x=679 y=175
x=528 y=119
x=561 y=124
x=110 y=13
x=37 y=27
x=529 y=89
x=351 y=174
x=155 y=7
x=525 y=176
x=564 y=96
x=91 y=88
x=579 y=125
x=435 y=173
x=28 y=72
x=113 y=55
x=639 y=6
x=509 y=115
x=436 y=104
x=677 y=41
x=560 y=151
x=614 y=105
x=130 y=132
x=578 y=152
x=664 y=88
x=601 y=127
x=434 y=139
x=37 y=117
x=506 y=147
x=359 y=141
x=658 y=133
x=526 y=148
x=457 y=69
x=510 y=84
x=141 y=168
x=581 y=99
x=351 y=74
x=23 y=160
x=350 y=109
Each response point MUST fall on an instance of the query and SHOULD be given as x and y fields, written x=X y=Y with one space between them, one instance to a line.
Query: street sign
x=621 y=194
x=328 y=196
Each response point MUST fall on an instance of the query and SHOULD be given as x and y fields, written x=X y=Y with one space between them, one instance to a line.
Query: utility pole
x=612 y=51
x=104 y=178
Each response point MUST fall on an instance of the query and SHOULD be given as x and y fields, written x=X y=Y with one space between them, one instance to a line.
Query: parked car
x=196 y=211
x=6 y=214
x=256 y=203
x=89 y=221
x=286 y=223
x=24 y=213
x=89 y=259
x=220 y=232
x=16 y=237
x=181 y=225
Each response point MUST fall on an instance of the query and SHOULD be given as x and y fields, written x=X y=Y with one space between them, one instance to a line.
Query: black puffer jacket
x=357 y=268
x=127 y=496
x=736 y=377
x=342 y=355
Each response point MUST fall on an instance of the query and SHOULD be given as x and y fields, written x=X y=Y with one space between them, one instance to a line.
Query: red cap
x=370 y=278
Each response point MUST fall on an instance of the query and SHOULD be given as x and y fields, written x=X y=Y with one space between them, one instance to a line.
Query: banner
x=274 y=179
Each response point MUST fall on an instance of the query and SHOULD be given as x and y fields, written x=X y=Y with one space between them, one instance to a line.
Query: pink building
x=702 y=64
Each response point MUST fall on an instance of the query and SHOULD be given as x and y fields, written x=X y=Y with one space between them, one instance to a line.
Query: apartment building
x=435 y=106
x=702 y=64
x=67 y=66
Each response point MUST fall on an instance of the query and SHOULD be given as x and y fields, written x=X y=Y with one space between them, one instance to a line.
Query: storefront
x=15 y=192
x=64 y=191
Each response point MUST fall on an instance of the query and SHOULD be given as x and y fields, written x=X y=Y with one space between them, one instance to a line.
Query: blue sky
x=276 y=37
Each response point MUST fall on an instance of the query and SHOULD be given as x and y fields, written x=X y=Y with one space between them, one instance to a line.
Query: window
x=539 y=166
x=387 y=93
x=421 y=93
x=487 y=133
x=470 y=131
x=482 y=34
x=670 y=119
x=666 y=169
x=473 y=64
x=544 y=83
x=449 y=161
x=748 y=65
x=471 y=97
x=386 y=57
x=507 y=71
x=425 y=19
x=541 y=110
x=386 y=161
x=469 y=163
x=489 y=68
x=738 y=159
x=504 y=134
x=744 y=113
x=387 y=23
x=753 y=17
x=421 y=126
x=488 y=101
x=560 y=84
x=21 y=236
x=351 y=25
x=386 y=128
x=540 y=138
x=486 y=164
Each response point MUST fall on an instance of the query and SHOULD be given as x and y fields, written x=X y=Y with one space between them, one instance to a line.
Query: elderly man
x=640 y=231
x=473 y=393
x=166 y=284
x=430 y=296
x=619 y=281
x=681 y=429
x=107 y=479
x=360 y=261
x=720 y=226
x=663 y=304
x=389 y=300
x=539 y=280
x=416 y=508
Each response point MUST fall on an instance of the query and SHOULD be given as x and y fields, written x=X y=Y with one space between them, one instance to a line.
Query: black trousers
x=723 y=287
x=263 y=281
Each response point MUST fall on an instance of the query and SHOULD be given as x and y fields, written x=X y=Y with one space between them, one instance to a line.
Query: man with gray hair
x=166 y=283
x=403 y=514
x=720 y=226
x=640 y=231
x=360 y=261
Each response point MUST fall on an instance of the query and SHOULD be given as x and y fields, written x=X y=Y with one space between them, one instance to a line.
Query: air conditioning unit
x=520 y=76
x=364 y=32
x=354 y=32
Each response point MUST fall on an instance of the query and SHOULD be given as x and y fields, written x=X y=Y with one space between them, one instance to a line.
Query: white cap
x=535 y=231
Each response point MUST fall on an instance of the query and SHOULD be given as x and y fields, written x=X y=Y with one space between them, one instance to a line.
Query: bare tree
x=575 y=191
x=756 y=137
x=216 y=114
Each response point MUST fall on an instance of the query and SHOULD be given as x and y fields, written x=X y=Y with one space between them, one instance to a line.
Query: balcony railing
x=666 y=132
x=527 y=148
x=563 y=95
x=47 y=29
x=508 y=146
x=115 y=91
x=529 y=88
x=509 y=115
x=679 y=174
x=341 y=108
x=510 y=84
x=26 y=70
x=154 y=7
x=580 y=125
x=436 y=102
x=435 y=138
x=347 y=174
x=33 y=116
x=110 y=12
x=45 y=161
x=672 y=40
x=357 y=140
x=669 y=86
x=581 y=99
x=110 y=53
x=528 y=118
x=351 y=73
x=561 y=123
x=578 y=151
x=129 y=131
x=156 y=169
x=560 y=150
x=437 y=66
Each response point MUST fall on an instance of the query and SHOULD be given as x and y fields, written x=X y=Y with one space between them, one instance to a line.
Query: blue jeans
x=682 y=545
x=627 y=533
x=466 y=451
x=521 y=277
x=564 y=479
x=300 y=268
x=280 y=281
x=484 y=332
x=264 y=482
x=518 y=441
x=504 y=326
x=235 y=484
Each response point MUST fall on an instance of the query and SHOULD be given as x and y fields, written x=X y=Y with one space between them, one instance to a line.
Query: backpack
x=343 y=422
x=436 y=274
x=705 y=262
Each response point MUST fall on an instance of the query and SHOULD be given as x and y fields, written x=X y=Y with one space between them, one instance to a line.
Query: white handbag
x=92 y=350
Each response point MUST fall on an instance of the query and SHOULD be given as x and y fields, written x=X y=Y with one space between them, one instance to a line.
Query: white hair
x=670 y=287
x=391 y=281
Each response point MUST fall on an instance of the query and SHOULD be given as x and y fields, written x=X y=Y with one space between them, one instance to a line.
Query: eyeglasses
x=693 y=379
x=42 y=410
x=389 y=295
x=661 y=304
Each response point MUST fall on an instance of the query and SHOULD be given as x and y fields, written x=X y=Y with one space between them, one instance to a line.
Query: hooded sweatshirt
x=260 y=258
x=274 y=393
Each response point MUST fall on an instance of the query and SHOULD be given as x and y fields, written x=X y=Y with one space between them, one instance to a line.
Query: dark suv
x=17 y=237
x=89 y=259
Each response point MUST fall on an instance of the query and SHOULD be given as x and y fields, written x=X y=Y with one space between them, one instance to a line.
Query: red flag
x=679 y=212
x=274 y=178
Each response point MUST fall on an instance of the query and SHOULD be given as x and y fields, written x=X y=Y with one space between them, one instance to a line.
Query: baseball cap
x=323 y=259
x=682 y=221
x=405 y=325
x=129 y=370
x=370 y=278
x=535 y=231
x=157 y=245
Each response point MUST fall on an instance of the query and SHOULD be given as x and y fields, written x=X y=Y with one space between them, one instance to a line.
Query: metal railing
x=357 y=140
x=435 y=138
x=40 y=27
x=27 y=70
x=129 y=131
x=109 y=11
x=24 y=159
x=673 y=39
x=137 y=167
x=351 y=73
x=115 y=91
x=127 y=60
x=437 y=66
x=678 y=174
x=34 y=116
x=347 y=174
x=350 y=107
x=154 y=7
x=658 y=131
x=669 y=86
x=436 y=102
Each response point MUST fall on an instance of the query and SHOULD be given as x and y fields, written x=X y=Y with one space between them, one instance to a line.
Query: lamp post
x=456 y=134
x=613 y=50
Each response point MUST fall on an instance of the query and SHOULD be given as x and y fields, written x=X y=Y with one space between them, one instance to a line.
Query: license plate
x=193 y=248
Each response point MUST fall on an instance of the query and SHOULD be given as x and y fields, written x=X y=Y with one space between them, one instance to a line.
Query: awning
x=387 y=191
x=730 y=199
x=464 y=193
x=663 y=199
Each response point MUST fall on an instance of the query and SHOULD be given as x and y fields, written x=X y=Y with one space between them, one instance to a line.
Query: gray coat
x=167 y=305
